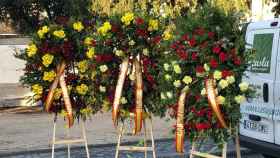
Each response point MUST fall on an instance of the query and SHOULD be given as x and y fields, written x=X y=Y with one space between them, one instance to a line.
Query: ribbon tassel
x=59 y=79
x=212 y=101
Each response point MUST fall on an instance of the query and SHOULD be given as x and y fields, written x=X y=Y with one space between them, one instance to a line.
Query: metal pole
x=85 y=138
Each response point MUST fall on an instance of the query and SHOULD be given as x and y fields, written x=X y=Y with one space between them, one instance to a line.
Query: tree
x=25 y=15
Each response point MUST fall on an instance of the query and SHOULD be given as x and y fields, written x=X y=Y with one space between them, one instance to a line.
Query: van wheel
x=268 y=156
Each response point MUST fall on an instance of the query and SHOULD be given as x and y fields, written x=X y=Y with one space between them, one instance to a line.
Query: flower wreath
x=201 y=81
x=58 y=62
x=126 y=50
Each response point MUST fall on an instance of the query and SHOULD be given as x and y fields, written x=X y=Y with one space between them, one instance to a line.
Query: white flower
x=203 y=91
x=239 y=99
x=177 y=69
x=169 y=94
x=102 y=89
x=166 y=66
x=166 y=52
x=103 y=68
x=177 y=83
x=221 y=99
x=187 y=79
x=217 y=75
x=162 y=96
x=206 y=67
x=167 y=77
x=243 y=86
x=123 y=100
x=131 y=43
x=223 y=83
x=146 y=51
x=230 y=79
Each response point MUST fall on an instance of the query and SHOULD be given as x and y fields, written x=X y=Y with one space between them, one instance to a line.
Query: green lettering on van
x=263 y=46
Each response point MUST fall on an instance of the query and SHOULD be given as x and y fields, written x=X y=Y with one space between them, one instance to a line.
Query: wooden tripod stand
x=68 y=139
x=145 y=148
x=194 y=152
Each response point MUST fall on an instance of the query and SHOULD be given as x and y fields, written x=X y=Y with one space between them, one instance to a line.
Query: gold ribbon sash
x=138 y=93
x=59 y=79
x=213 y=103
x=180 y=131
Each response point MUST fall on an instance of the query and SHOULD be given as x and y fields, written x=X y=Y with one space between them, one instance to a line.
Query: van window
x=263 y=46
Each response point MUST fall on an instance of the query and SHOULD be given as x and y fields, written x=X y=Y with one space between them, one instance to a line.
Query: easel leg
x=152 y=139
x=145 y=137
x=224 y=155
x=237 y=146
x=119 y=141
x=53 y=139
x=85 y=138
x=68 y=145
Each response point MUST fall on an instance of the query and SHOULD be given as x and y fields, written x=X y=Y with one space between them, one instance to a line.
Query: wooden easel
x=194 y=152
x=145 y=148
x=68 y=139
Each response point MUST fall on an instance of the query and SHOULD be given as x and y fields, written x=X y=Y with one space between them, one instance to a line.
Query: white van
x=260 y=123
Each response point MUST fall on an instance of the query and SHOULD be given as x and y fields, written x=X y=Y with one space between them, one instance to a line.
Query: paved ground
x=28 y=136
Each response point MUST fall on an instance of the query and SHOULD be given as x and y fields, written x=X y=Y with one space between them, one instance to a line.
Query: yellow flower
x=49 y=76
x=153 y=25
x=220 y=99
x=167 y=35
x=162 y=96
x=239 y=99
x=177 y=69
x=131 y=42
x=88 y=41
x=57 y=93
x=90 y=53
x=127 y=18
x=103 y=68
x=119 y=53
x=104 y=28
x=187 y=79
x=82 y=89
x=102 y=89
x=78 y=26
x=83 y=66
x=93 y=74
x=59 y=33
x=230 y=79
x=37 y=89
x=41 y=32
x=145 y=51
x=87 y=110
x=169 y=94
x=223 y=83
x=217 y=75
x=177 y=83
x=47 y=59
x=123 y=100
x=31 y=50
x=243 y=86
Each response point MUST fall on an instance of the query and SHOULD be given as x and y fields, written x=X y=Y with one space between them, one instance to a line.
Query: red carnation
x=156 y=39
x=185 y=37
x=222 y=57
x=237 y=61
x=192 y=42
x=141 y=32
x=211 y=35
x=182 y=54
x=139 y=21
x=216 y=49
x=199 y=69
x=213 y=63
x=202 y=126
x=194 y=56
x=103 y=58
x=67 y=50
x=115 y=28
x=226 y=73
x=204 y=44
x=197 y=97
